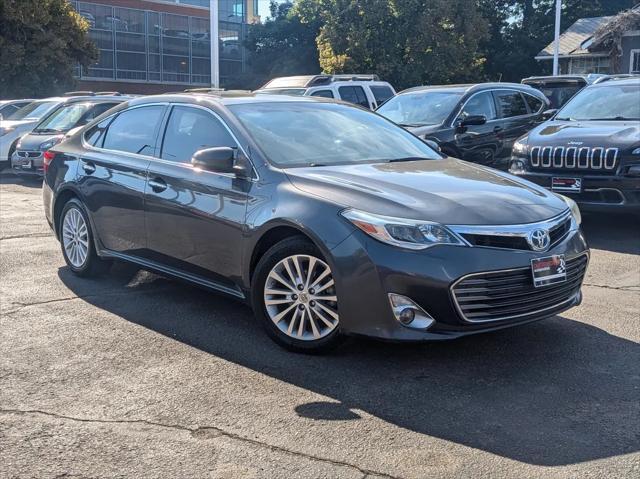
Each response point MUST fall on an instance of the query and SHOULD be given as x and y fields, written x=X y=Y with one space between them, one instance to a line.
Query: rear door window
x=135 y=130
x=323 y=93
x=510 y=103
x=381 y=93
x=191 y=129
x=354 y=94
x=535 y=104
x=480 y=104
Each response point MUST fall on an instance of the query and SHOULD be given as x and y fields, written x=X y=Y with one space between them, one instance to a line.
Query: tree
x=521 y=28
x=40 y=43
x=407 y=42
x=283 y=45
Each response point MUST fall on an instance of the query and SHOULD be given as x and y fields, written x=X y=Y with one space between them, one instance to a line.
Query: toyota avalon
x=328 y=219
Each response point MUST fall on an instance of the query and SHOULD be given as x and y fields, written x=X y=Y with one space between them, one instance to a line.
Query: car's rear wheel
x=76 y=239
x=294 y=294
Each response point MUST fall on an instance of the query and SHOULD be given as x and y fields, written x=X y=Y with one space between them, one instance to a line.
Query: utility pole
x=215 y=47
x=556 y=43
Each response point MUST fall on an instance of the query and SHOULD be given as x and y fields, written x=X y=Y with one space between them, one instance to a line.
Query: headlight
x=520 y=147
x=50 y=143
x=636 y=151
x=7 y=129
x=575 y=211
x=405 y=233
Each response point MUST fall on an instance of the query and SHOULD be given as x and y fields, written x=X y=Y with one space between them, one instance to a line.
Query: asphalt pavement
x=136 y=375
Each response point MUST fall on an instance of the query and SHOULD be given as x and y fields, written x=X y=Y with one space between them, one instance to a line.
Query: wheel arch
x=62 y=197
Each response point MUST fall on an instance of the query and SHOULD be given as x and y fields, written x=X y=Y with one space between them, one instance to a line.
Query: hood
x=620 y=134
x=447 y=191
x=16 y=123
x=32 y=141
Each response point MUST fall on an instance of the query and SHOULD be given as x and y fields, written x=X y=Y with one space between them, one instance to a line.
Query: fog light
x=408 y=313
x=516 y=167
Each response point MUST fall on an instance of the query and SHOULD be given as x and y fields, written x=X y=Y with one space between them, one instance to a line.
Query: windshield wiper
x=565 y=119
x=413 y=125
x=47 y=130
x=613 y=118
x=409 y=158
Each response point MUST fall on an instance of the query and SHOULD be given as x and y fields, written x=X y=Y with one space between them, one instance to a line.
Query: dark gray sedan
x=328 y=219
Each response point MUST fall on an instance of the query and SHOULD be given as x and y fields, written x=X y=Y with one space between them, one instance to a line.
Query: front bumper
x=368 y=270
x=599 y=192
x=28 y=162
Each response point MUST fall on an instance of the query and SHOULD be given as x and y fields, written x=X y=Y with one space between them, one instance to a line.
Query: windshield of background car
x=559 y=93
x=420 y=108
x=611 y=102
x=319 y=134
x=65 y=118
x=33 y=111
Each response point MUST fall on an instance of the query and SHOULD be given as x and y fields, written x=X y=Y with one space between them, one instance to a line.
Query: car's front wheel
x=294 y=294
x=76 y=239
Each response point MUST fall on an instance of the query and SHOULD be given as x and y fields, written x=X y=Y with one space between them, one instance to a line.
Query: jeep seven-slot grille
x=500 y=295
x=596 y=159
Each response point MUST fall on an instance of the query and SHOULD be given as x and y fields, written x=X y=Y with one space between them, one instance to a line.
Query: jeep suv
x=364 y=90
x=590 y=149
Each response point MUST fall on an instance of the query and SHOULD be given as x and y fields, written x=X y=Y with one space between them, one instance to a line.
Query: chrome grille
x=574 y=158
x=29 y=154
x=510 y=294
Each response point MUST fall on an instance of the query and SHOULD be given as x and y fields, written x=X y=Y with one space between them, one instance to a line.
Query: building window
x=582 y=66
x=634 y=62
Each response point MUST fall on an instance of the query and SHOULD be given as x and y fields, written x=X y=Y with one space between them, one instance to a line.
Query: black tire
x=93 y=264
x=296 y=245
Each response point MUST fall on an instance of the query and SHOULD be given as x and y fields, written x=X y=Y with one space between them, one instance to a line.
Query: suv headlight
x=405 y=233
x=521 y=147
x=575 y=210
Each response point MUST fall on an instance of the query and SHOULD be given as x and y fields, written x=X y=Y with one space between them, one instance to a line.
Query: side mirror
x=473 y=120
x=220 y=159
x=549 y=113
x=433 y=145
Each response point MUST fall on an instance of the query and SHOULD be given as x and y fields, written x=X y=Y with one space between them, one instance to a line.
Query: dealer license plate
x=572 y=185
x=27 y=165
x=548 y=270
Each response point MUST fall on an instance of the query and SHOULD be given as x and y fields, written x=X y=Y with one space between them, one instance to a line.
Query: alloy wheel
x=75 y=237
x=300 y=297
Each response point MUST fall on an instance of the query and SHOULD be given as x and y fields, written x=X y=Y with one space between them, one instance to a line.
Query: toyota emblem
x=539 y=240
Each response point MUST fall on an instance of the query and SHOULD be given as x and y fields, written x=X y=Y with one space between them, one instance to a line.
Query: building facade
x=153 y=46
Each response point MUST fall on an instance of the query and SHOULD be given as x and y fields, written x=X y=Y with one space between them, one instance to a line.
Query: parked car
x=364 y=90
x=22 y=122
x=559 y=89
x=27 y=159
x=9 y=107
x=590 y=150
x=357 y=229
x=477 y=123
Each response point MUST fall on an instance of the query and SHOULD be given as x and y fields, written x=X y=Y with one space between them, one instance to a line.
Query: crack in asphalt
x=618 y=288
x=33 y=235
x=201 y=430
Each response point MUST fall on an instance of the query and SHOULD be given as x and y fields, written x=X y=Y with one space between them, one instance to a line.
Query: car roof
x=626 y=81
x=95 y=99
x=224 y=98
x=469 y=87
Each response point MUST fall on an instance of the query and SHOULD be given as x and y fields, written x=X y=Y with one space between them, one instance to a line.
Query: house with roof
x=599 y=45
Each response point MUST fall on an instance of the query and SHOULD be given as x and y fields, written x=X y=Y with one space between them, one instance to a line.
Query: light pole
x=556 y=43
x=215 y=47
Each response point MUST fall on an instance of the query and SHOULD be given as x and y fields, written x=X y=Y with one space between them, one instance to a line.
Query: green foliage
x=407 y=42
x=40 y=43
x=284 y=45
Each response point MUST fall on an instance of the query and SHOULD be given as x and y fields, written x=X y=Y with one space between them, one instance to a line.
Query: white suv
x=365 y=90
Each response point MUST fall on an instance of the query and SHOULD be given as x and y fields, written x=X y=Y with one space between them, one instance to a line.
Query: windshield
x=420 y=108
x=33 y=111
x=611 y=102
x=63 y=119
x=282 y=91
x=558 y=93
x=320 y=134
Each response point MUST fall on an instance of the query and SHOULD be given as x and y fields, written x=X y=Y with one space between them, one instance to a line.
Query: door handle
x=158 y=185
x=498 y=129
x=88 y=167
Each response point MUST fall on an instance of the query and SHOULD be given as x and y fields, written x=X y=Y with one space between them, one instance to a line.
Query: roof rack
x=79 y=93
x=204 y=90
x=326 y=79
x=109 y=93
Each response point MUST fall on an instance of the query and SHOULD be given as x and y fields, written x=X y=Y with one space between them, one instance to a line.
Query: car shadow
x=8 y=177
x=615 y=232
x=556 y=392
